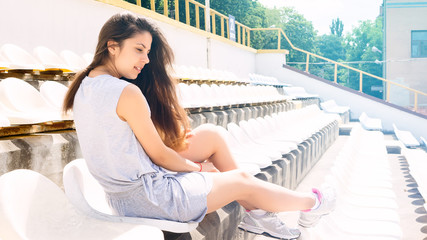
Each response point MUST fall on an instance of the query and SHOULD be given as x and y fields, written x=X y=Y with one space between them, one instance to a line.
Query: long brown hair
x=159 y=88
x=169 y=118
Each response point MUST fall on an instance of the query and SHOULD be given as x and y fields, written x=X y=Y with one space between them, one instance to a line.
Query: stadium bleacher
x=291 y=156
x=276 y=131
x=406 y=137
x=370 y=123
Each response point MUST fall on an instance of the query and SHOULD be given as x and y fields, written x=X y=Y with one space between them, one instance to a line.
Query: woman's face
x=131 y=57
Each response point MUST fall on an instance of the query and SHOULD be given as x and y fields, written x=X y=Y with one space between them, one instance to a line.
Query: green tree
x=337 y=27
x=360 y=43
x=299 y=30
x=329 y=46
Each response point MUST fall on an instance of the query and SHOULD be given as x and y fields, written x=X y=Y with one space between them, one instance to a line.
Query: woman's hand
x=208 y=167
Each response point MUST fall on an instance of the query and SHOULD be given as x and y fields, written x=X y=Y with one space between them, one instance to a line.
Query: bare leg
x=207 y=144
x=239 y=185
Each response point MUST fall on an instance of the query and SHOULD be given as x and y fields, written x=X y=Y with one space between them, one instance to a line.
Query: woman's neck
x=104 y=70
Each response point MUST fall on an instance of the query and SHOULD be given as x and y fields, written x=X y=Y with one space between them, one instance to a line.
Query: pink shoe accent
x=318 y=193
x=319 y=196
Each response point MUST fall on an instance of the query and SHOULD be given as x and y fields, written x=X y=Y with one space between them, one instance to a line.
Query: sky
x=321 y=12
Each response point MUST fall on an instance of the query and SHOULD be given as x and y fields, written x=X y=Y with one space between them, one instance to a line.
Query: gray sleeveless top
x=113 y=154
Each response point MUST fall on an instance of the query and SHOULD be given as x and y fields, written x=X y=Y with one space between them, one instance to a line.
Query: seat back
x=199 y=99
x=18 y=95
x=50 y=59
x=18 y=58
x=327 y=104
x=29 y=204
x=396 y=131
x=406 y=137
x=363 y=117
x=4 y=122
x=53 y=93
x=88 y=58
x=73 y=60
x=85 y=193
x=83 y=190
x=238 y=133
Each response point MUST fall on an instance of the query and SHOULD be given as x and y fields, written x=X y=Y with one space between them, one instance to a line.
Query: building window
x=419 y=44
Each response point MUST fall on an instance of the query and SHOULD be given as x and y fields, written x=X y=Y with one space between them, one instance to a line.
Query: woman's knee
x=207 y=128
x=209 y=131
x=243 y=176
x=244 y=184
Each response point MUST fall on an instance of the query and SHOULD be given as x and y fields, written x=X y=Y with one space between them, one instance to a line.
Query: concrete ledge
x=393 y=147
x=46 y=153
x=345 y=129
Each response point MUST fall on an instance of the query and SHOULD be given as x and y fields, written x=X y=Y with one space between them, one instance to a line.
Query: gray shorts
x=178 y=197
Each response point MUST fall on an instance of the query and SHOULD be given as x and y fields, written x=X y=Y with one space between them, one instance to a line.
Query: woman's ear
x=112 y=47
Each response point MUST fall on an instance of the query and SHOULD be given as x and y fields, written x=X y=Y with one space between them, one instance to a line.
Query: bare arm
x=133 y=109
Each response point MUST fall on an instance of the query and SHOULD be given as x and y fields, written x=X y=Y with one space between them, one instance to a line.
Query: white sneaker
x=327 y=198
x=259 y=222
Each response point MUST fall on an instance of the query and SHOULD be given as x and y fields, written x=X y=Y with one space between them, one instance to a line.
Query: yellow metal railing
x=243 y=35
x=388 y=83
x=242 y=31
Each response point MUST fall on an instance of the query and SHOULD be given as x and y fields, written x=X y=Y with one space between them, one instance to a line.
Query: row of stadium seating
x=13 y=57
x=21 y=103
x=257 y=143
x=366 y=203
x=225 y=96
x=273 y=135
x=417 y=165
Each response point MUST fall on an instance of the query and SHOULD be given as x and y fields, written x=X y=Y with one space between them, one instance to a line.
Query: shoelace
x=277 y=221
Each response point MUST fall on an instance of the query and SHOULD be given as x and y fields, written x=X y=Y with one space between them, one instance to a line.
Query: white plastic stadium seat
x=185 y=96
x=198 y=97
x=18 y=58
x=53 y=93
x=73 y=60
x=331 y=106
x=298 y=92
x=241 y=136
x=88 y=57
x=366 y=206
x=88 y=196
x=370 y=123
x=406 y=137
x=4 y=122
x=4 y=65
x=417 y=164
x=33 y=207
x=49 y=59
x=21 y=103
x=244 y=154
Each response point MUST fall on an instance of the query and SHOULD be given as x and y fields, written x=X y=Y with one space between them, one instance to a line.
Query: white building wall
x=402 y=17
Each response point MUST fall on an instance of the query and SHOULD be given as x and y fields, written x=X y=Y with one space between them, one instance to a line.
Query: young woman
x=136 y=144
